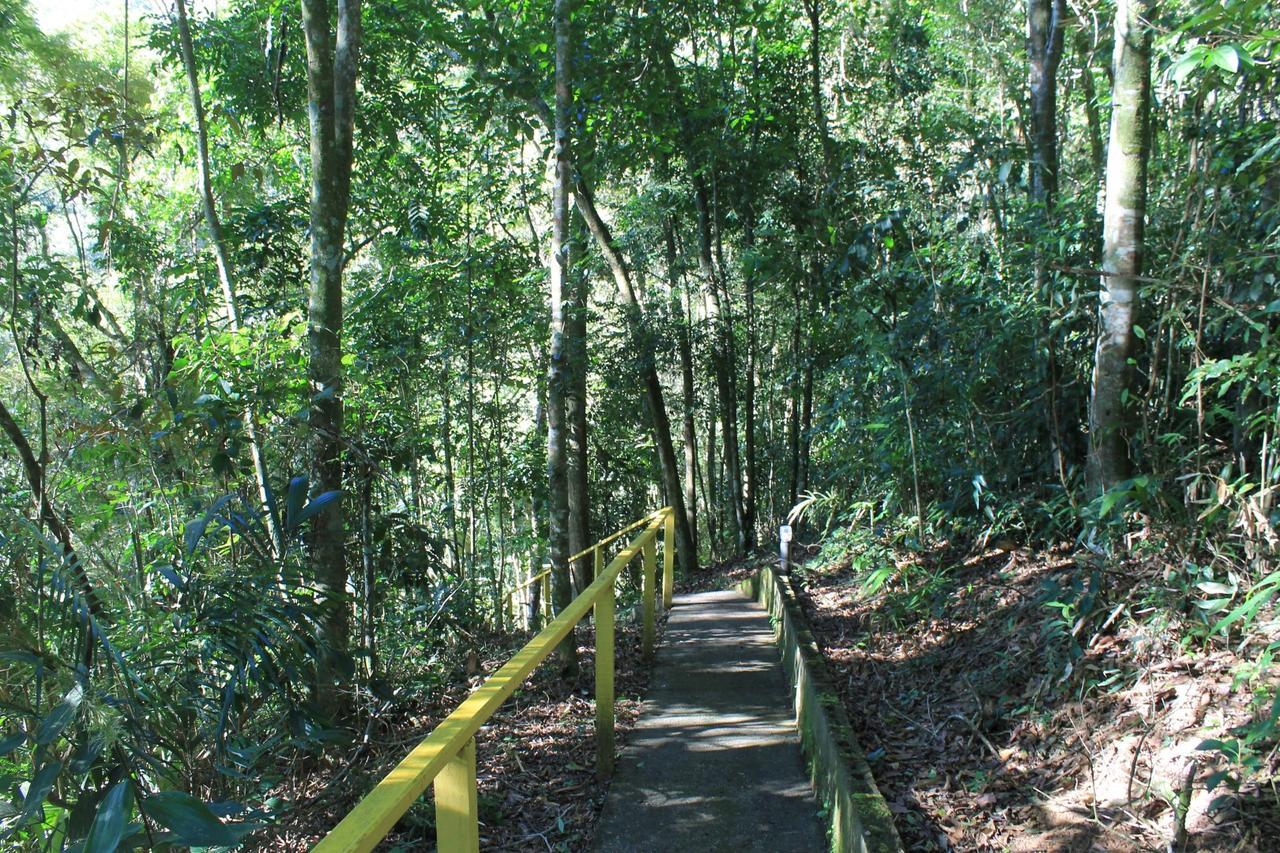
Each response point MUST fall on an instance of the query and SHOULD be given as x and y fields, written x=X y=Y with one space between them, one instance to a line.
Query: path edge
x=859 y=820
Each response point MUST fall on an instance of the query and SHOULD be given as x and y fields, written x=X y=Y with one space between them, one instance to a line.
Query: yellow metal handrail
x=447 y=756
x=597 y=552
x=618 y=534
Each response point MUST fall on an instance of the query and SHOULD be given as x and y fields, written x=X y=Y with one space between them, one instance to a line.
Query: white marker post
x=784 y=549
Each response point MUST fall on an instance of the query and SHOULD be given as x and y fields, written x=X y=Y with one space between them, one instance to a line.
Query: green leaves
x=193 y=822
x=57 y=720
x=40 y=786
x=109 y=823
x=297 y=510
x=195 y=529
x=1228 y=58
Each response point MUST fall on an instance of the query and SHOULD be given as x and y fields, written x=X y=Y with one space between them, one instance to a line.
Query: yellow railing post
x=647 y=591
x=604 y=612
x=457 y=819
x=668 y=558
x=447 y=757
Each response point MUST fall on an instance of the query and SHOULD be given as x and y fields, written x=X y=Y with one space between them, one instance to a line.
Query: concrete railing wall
x=860 y=821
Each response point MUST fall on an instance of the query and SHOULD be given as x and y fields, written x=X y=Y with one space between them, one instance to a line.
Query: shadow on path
x=714 y=762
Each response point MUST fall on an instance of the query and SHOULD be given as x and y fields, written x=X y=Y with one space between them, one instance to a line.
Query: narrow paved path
x=714 y=762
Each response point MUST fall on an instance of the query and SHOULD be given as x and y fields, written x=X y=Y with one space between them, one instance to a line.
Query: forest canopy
x=325 y=325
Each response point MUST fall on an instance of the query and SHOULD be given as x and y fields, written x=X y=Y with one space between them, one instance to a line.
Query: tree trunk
x=723 y=364
x=711 y=489
x=558 y=378
x=1123 y=215
x=536 y=533
x=576 y=412
x=34 y=468
x=722 y=355
x=332 y=63
x=794 y=394
x=453 y=558
x=751 y=482
x=368 y=621
x=684 y=343
x=643 y=344
x=222 y=261
x=813 y=9
x=1045 y=21
x=806 y=426
x=1097 y=152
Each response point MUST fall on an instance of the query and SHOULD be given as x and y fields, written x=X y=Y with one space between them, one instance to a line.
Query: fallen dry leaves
x=979 y=742
x=536 y=783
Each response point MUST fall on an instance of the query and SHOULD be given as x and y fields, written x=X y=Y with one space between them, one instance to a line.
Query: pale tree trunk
x=711 y=489
x=222 y=262
x=751 y=480
x=1123 y=215
x=641 y=340
x=332 y=62
x=639 y=334
x=723 y=358
x=821 y=206
x=558 y=377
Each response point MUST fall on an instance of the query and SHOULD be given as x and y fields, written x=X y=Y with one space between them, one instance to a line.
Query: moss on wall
x=859 y=816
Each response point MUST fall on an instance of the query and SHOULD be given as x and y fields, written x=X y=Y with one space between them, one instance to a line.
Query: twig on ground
x=995 y=753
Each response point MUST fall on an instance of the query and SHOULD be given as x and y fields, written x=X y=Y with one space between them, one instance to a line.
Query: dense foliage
x=860 y=313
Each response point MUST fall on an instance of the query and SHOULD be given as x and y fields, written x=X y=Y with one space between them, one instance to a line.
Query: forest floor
x=536 y=782
x=981 y=738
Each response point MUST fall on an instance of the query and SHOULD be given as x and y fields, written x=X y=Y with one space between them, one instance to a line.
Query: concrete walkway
x=714 y=762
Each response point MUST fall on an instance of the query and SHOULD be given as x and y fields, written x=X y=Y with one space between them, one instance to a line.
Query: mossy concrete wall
x=859 y=816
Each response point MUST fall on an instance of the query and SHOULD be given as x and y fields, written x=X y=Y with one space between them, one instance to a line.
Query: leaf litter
x=981 y=739
x=535 y=759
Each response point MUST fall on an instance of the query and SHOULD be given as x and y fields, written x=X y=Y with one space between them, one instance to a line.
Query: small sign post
x=784 y=549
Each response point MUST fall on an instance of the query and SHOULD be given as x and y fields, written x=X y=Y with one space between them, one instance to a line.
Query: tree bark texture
x=688 y=408
x=558 y=377
x=640 y=336
x=723 y=365
x=1045 y=23
x=1123 y=217
x=1045 y=20
x=332 y=63
x=576 y=413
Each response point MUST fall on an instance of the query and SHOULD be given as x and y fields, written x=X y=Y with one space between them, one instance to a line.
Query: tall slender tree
x=1046 y=20
x=559 y=378
x=642 y=342
x=576 y=415
x=332 y=63
x=1045 y=24
x=222 y=262
x=1122 y=238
